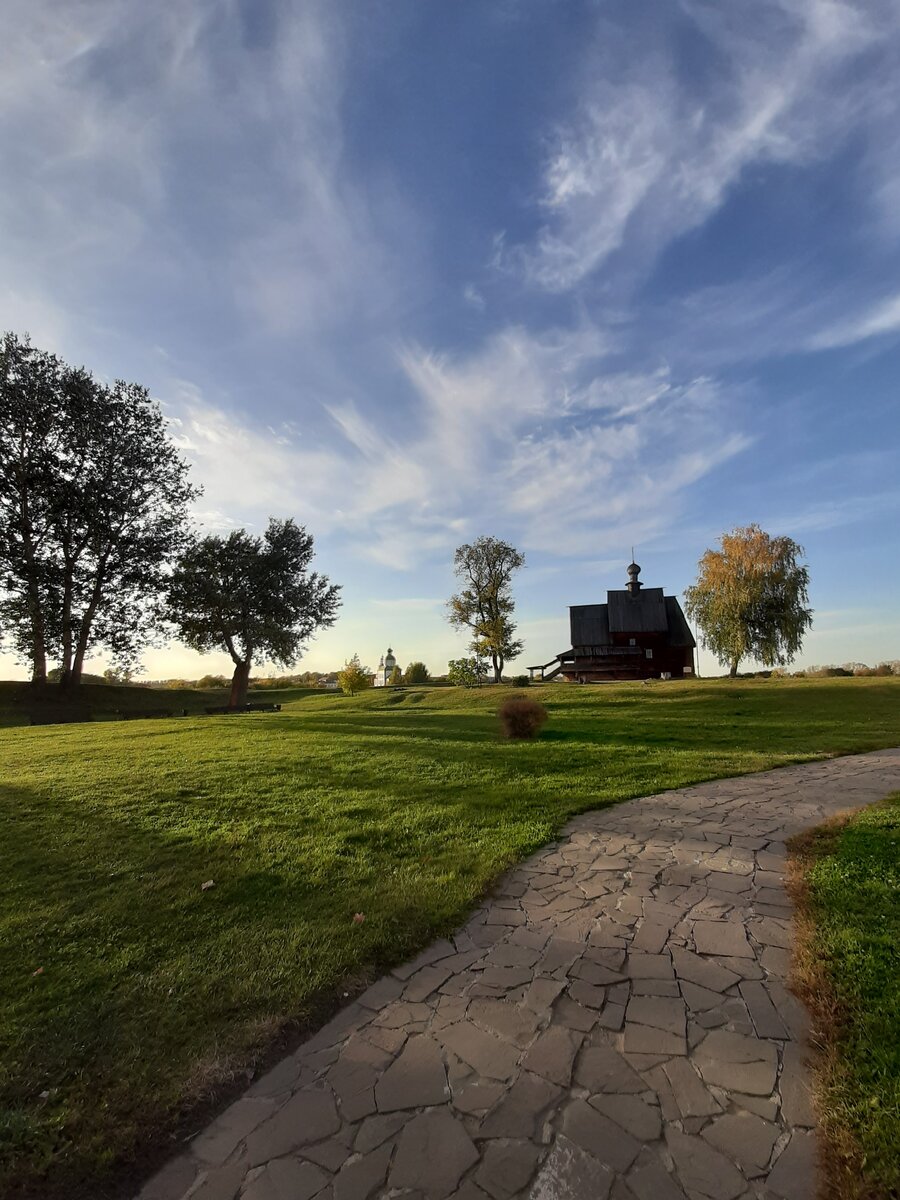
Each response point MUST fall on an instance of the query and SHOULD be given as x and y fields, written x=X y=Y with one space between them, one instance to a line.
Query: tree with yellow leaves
x=751 y=598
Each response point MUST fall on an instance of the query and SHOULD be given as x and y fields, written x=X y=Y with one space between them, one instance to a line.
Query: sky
x=580 y=274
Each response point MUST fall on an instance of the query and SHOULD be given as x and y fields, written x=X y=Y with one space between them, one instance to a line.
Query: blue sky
x=577 y=274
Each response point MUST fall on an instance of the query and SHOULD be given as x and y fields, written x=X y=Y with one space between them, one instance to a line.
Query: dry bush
x=521 y=718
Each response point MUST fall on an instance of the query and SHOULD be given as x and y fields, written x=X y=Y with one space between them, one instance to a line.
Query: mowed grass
x=153 y=995
x=850 y=975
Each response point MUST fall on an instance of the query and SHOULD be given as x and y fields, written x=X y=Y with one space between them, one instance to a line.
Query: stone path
x=612 y=1024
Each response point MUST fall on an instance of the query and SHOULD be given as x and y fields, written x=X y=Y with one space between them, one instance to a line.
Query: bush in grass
x=521 y=718
x=521 y=681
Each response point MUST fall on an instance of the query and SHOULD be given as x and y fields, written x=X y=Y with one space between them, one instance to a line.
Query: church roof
x=630 y=612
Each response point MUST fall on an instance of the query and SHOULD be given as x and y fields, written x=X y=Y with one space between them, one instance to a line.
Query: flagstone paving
x=613 y=1023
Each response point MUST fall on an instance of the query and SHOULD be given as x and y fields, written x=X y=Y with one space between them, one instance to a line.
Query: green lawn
x=851 y=955
x=401 y=805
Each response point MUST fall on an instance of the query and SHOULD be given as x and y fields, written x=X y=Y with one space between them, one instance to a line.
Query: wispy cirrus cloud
x=875 y=321
x=649 y=155
x=533 y=435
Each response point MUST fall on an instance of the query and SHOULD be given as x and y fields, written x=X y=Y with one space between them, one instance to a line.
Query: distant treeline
x=828 y=671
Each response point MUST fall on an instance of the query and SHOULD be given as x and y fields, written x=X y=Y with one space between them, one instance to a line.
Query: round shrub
x=521 y=718
x=521 y=681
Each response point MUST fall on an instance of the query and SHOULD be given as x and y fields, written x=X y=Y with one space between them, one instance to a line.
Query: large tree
x=94 y=501
x=751 y=598
x=485 y=605
x=30 y=432
x=253 y=597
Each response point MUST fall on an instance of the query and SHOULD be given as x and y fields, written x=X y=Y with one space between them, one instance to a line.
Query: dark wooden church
x=637 y=634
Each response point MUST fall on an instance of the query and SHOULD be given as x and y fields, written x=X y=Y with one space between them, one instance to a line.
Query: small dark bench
x=224 y=710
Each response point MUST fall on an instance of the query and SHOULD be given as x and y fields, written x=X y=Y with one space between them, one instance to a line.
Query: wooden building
x=639 y=633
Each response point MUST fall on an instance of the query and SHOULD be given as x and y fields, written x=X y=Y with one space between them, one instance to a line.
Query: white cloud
x=527 y=437
x=882 y=318
x=649 y=155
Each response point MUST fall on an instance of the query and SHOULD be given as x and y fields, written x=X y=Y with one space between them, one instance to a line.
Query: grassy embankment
x=403 y=805
x=847 y=883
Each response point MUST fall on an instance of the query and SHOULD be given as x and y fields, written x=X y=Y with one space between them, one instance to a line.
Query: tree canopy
x=485 y=604
x=253 y=597
x=416 y=672
x=751 y=598
x=94 y=501
x=466 y=672
x=353 y=678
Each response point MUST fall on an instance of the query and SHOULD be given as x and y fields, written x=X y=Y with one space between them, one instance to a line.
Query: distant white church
x=386 y=665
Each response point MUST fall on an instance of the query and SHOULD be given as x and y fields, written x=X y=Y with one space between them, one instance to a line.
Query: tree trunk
x=733 y=671
x=498 y=668
x=240 y=681
x=38 y=644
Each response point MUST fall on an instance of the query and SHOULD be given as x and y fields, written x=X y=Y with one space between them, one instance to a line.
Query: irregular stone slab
x=762 y=1011
x=711 y=975
x=737 y=1063
x=223 y=1183
x=659 y=1012
x=612 y=1017
x=377 y=1129
x=651 y=937
x=649 y=1180
x=416 y=1078
x=218 y=1140
x=573 y=1015
x=643 y=1039
x=507 y=1020
x=691 y=1097
x=744 y=1138
x=489 y=1055
x=703 y=1170
x=560 y=954
x=570 y=1173
x=519 y=1111
x=506 y=1168
x=795 y=1174
x=649 y=966
x=600 y=1136
x=433 y=1153
x=596 y=974
x=361 y=1178
x=553 y=1054
x=700 y=999
x=309 y=1116
x=286 y=1179
x=794 y=1085
x=600 y=1068
x=632 y=1114
x=725 y=938
x=426 y=981
x=587 y=995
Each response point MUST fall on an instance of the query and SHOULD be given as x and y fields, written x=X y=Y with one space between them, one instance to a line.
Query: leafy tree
x=485 y=604
x=212 y=681
x=416 y=672
x=253 y=597
x=467 y=672
x=396 y=677
x=353 y=678
x=94 y=500
x=118 y=675
x=751 y=598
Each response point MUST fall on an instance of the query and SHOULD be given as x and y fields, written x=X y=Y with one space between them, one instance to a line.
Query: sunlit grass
x=850 y=959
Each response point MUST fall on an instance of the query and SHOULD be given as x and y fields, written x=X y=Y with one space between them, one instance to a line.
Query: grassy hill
x=129 y=997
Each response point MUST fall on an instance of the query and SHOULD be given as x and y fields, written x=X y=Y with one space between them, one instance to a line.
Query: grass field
x=849 y=960
x=403 y=805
